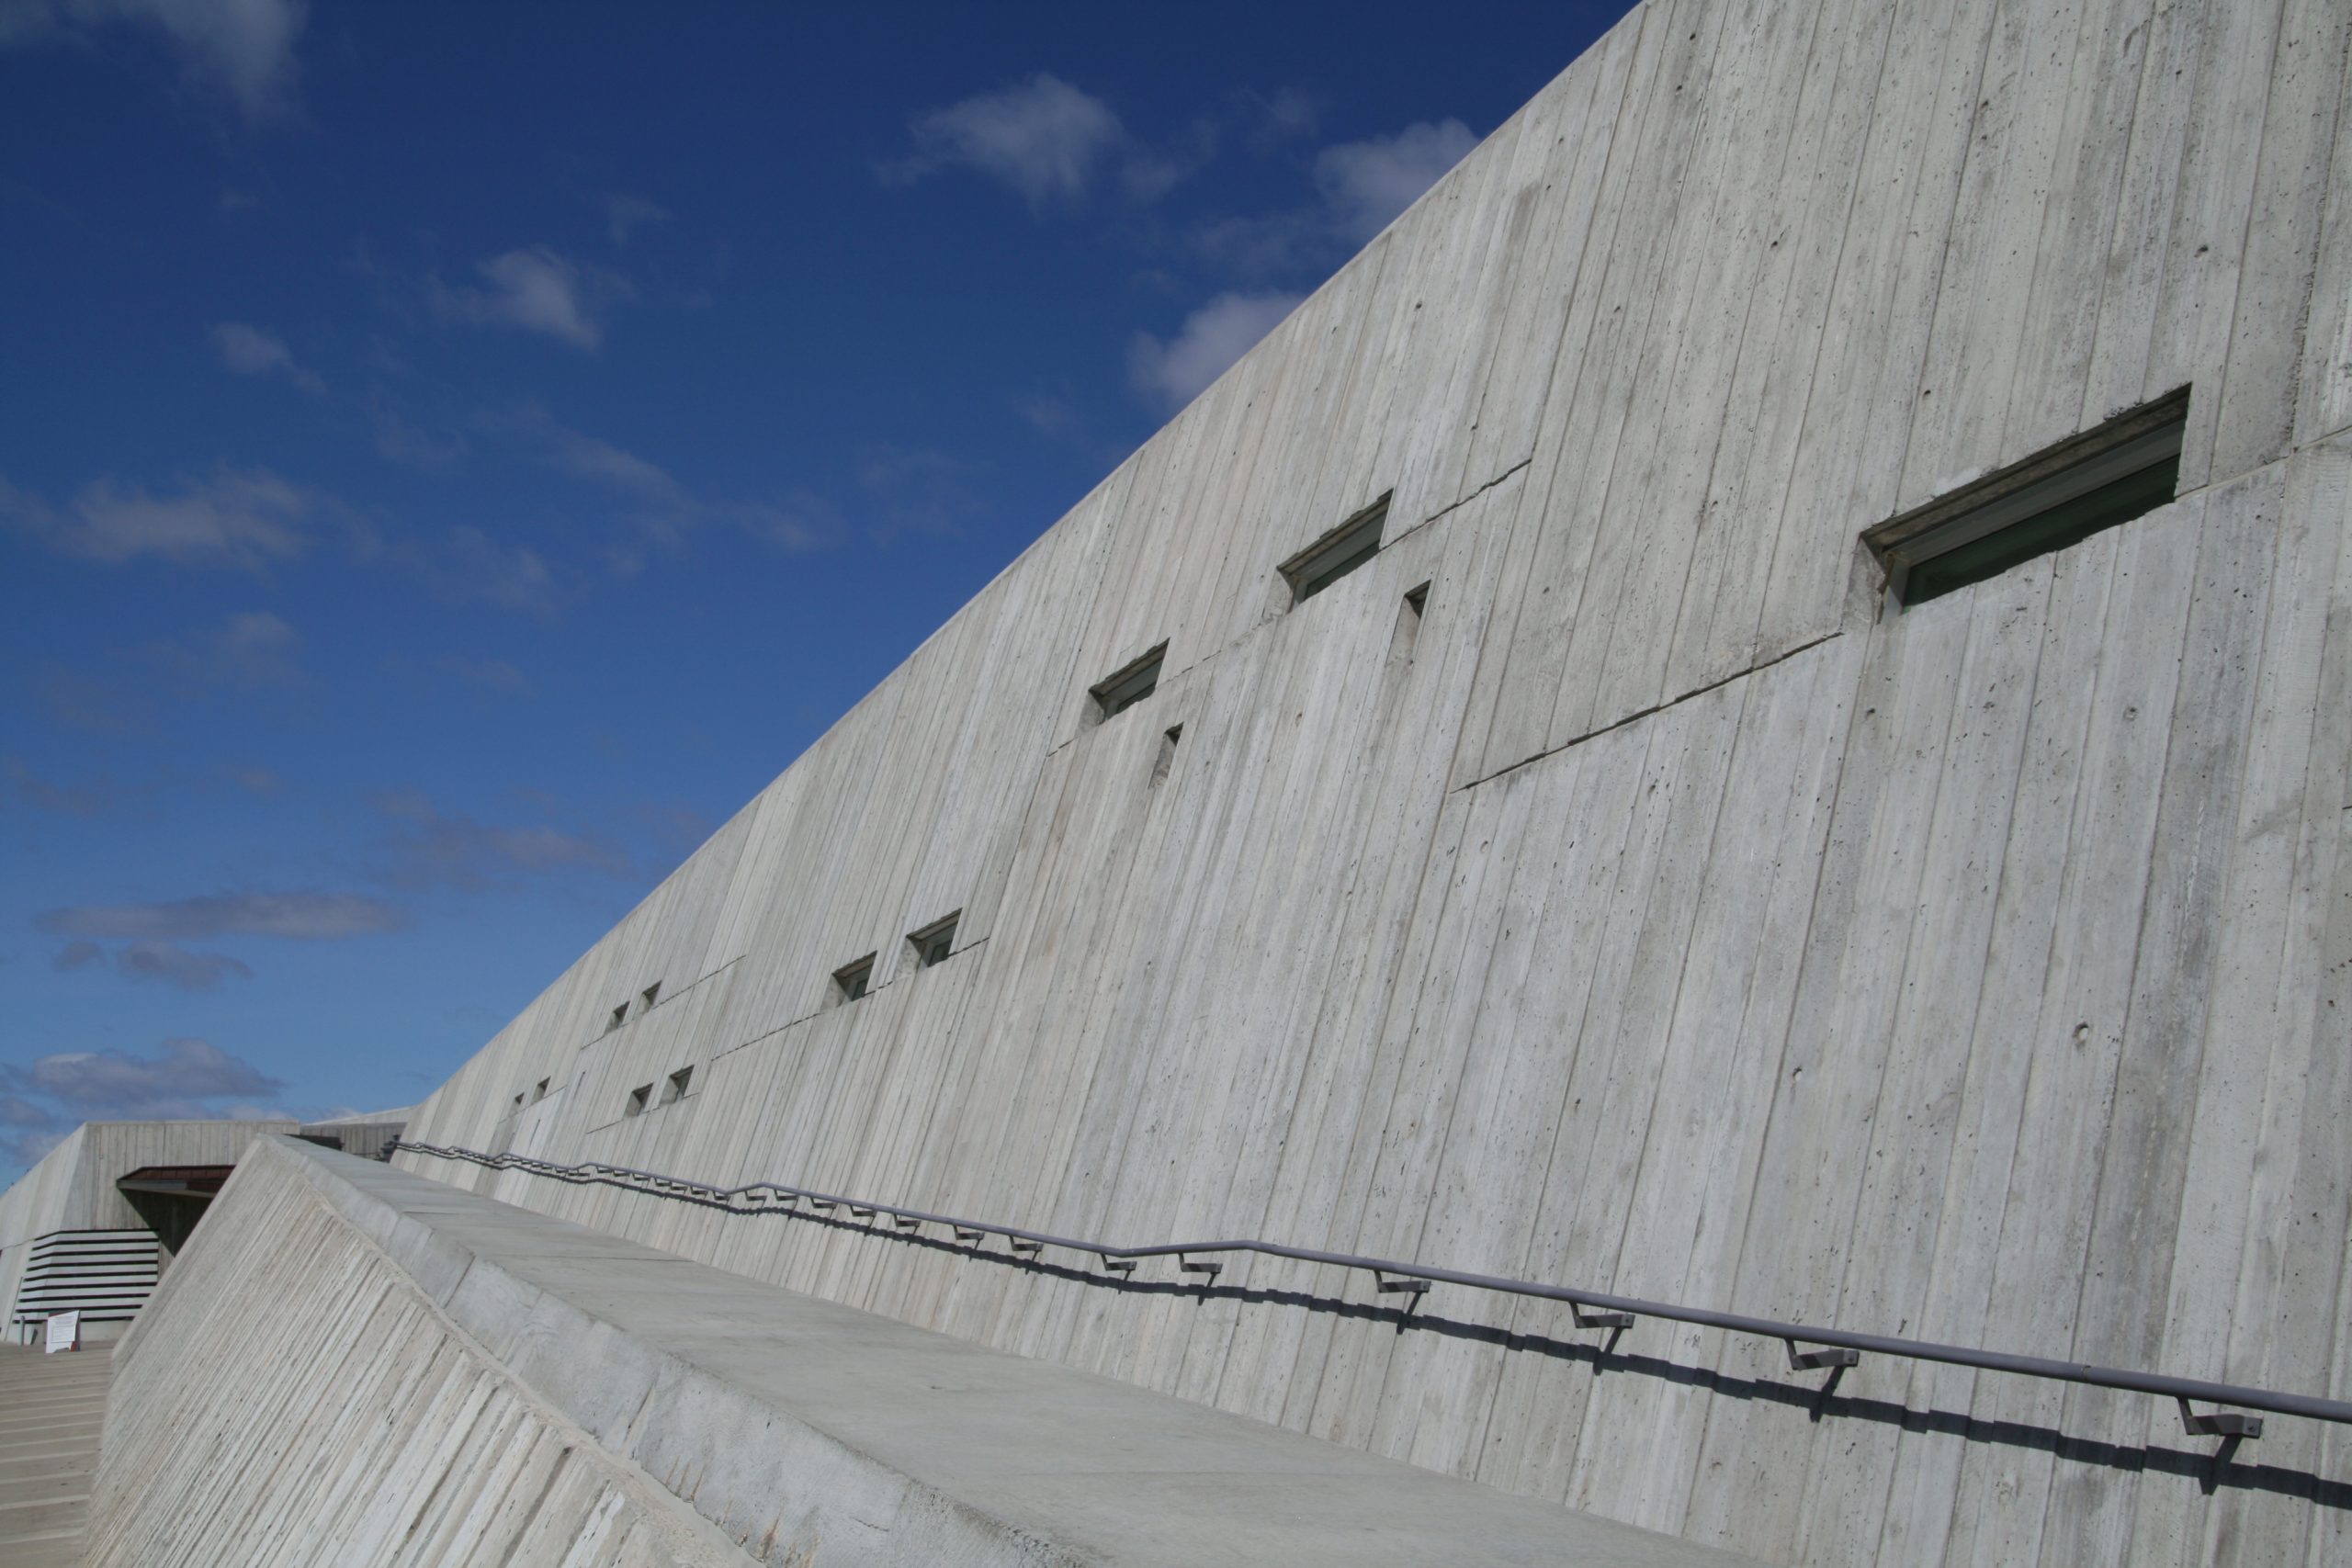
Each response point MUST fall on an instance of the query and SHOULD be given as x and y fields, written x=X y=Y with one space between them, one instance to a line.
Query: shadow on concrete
x=2211 y=1470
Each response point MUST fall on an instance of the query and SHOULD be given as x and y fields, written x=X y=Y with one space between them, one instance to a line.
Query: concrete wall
x=1656 y=914
x=292 y=1394
x=73 y=1186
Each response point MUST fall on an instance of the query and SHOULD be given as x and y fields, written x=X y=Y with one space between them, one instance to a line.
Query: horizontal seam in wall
x=1654 y=709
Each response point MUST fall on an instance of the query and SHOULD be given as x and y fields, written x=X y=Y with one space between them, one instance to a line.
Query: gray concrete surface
x=813 y=1433
x=52 y=1411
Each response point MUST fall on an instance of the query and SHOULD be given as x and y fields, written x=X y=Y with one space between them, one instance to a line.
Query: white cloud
x=240 y=517
x=18 y=782
x=248 y=651
x=1042 y=137
x=537 y=291
x=296 y=917
x=625 y=214
x=242 y=48
x=434 y=848
x=487 y=674
x=177 y=965
x=1366 y=184
x=473 y=566
x=661 y=506
x=1172 y=374
x=251 y=351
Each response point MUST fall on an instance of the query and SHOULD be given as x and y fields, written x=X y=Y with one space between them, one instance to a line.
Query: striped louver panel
x=105 y=1274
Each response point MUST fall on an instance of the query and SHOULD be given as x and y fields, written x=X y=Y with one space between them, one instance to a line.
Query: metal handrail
x=1594 y=1309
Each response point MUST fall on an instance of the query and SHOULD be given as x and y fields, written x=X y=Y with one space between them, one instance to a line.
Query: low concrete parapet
x=357 y=1351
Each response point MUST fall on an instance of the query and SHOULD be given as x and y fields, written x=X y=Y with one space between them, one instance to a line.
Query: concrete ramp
x=356 y=1365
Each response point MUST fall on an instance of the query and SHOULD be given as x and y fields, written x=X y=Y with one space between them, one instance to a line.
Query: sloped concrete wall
x=1653 y=912
x=292 y=1396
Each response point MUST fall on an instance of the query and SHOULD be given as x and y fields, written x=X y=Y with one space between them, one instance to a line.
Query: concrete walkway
x=52 y=1408
x=810 y=1431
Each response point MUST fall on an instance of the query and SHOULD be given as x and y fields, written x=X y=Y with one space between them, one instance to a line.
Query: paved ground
x=51 y=1410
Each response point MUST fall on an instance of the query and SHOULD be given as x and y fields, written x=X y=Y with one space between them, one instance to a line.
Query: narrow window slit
x=935 y=943
x=1408 y=622
x=851 y=981
x=1167 y=757
x=2060 y=496
x=1127 y=686
x=1337 y=553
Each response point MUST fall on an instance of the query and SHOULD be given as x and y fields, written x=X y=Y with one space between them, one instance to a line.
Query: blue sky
x=451 y=456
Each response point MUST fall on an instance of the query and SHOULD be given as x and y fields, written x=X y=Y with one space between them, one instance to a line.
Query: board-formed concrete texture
x=296 y=1394
x=1648 y=907
x=482 y=1380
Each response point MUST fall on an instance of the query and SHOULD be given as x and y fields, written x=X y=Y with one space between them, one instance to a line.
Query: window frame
x=2096 y=465
x=922 y=941
x=1128 y=686
x=1338 y=552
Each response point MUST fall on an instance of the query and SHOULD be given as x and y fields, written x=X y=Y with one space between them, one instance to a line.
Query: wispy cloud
x=432 y=848
x=186 y=1079
x=917 y=488
x=1366 y=184
x=248 y=350
x=1172 y=374
x=248 y=518
x=25 y=787
x=161 y=961
x=1361 y=186
x=401 y=440
x=467 y=564
x=247 y=651
x=1043 y=137
x=625 y=214
x=492 y=675
x=1054 y=143
x=293 y=916
x=244 y=48
x=536 y=290
x=658 y=506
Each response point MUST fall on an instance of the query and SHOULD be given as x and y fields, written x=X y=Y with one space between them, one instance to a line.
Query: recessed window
x=1408 y=622
x=2058 y=497
x=541 y=1092
x=1337 y=553
x=638 y=1098
x=851 y=981
x=518 y=1100
x=1167 y=757
x=676 y=1090
x=648 y=995
x=620 y=1016
x=935 y=942
x=1125 y=687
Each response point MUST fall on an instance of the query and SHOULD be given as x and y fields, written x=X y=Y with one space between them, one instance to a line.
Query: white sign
x=64 y=1333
